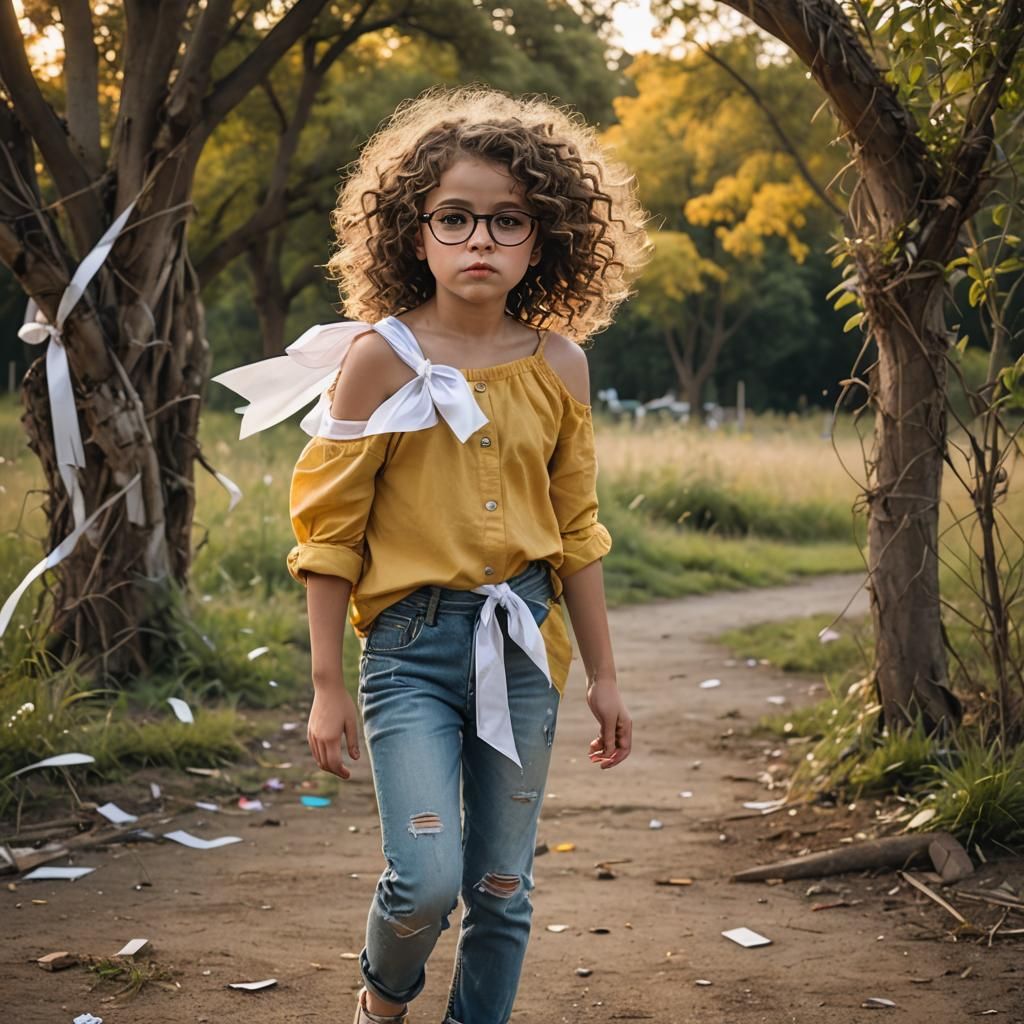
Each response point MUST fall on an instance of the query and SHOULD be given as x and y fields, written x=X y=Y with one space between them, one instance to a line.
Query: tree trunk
x=904 y=490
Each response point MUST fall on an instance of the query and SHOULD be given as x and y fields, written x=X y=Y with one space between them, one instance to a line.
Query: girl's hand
x=613 y=745
x=332 y=716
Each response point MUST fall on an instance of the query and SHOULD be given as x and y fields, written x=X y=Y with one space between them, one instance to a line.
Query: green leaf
x=999 y=214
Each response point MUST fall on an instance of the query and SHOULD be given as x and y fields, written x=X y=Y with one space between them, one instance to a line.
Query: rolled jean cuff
x=382 y=991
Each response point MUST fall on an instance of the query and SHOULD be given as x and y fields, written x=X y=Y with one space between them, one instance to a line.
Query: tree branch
x=42 y=124
x=779 y=131
x=236 y=85
x=81 y=77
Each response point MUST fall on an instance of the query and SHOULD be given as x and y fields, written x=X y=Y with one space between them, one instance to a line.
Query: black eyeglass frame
x=425 y=218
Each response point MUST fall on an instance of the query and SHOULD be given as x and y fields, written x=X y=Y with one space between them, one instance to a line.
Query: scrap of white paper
x=746 y=937
x=87 y=1018
x=132 y=947
x=256 y=652
x=776 y=699
x=763 y=805
x=45 y=874
x=205 y=805
x=181 y=709
x=252 y=986
x=57 y=761
x=827 y=635
x=154 y=789
x=114 y=814
x=195 y=843
x=250 y=805
x=710 y=684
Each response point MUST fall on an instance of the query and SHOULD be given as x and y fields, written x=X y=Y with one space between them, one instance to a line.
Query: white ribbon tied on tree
x=67 y=435
x=493 y=718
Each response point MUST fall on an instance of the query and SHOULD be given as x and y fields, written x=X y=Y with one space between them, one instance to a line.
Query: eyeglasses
x=453 y=225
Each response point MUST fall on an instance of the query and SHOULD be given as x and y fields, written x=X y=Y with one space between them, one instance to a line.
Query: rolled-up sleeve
x=331 y=493
x=573 y=474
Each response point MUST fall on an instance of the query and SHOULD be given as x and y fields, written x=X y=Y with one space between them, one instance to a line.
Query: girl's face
x=477 y=186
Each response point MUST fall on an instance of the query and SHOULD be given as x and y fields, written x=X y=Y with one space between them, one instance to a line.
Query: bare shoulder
x=371 y=373
x=569 y=361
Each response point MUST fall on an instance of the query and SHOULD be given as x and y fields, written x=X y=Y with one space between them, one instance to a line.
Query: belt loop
x=435 y=600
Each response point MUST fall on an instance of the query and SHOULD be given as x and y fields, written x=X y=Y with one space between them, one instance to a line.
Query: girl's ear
x=421 y=252
x=535 y=256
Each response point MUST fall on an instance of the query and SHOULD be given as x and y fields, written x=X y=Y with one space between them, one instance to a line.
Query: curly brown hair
x=592 y=232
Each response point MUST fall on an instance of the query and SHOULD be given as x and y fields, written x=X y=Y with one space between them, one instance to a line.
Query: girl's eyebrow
x=504 y=204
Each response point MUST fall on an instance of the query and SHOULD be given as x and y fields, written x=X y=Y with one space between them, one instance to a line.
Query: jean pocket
x=540 y=607
x=393 y=631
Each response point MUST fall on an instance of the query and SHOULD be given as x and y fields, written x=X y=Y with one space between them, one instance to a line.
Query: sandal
x=363 y=1015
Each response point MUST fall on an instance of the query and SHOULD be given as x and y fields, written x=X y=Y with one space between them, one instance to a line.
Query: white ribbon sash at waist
x=493 y=719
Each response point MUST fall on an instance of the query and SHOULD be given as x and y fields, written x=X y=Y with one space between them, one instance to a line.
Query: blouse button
x=488 y=570
x=479 y=386
x=491 y=506
x=485 y=442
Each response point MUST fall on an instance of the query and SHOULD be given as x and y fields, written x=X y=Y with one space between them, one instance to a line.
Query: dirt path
x=291 y=900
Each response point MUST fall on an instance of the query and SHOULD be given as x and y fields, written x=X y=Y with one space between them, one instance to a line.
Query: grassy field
x=689 y=511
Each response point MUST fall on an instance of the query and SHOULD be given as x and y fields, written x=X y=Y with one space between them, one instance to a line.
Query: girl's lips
x=479 y=271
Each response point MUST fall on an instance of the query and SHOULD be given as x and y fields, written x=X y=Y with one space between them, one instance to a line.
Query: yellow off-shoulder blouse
x=396 y=511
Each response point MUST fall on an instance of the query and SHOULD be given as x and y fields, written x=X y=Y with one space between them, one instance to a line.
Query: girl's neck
x=478 y=325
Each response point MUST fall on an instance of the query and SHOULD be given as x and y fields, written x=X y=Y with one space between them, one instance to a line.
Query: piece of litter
x=256 y=652
x=922 y=818
x=114 y=814
x=877 y=1003
x=209 y=773
x=273 y=683
x=57 y=761
x=52 y=874
x=131 y=948
x=686 y=793
x=557 y=927
x=315 y=801
x=349 y=956
x=253 y=986
x=289 y=726
x=195 y=843
x=746 y=937
x=710 y=684
x=181 y=709
x=57 y=961
x=584 y=972
x=250 y=805
x=827 y=635
x=673 y=881
x=87 y=1018
x=154 y=790
x=564 y=847
x=654 y=823
x=763 y=805
x=205 y=805
x=776 y=699
x=274 y=785
x=702 y=981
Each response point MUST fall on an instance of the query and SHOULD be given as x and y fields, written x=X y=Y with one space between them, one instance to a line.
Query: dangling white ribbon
x=493 y=719
x=58 y=554
x=278 y=387
x=67 y=435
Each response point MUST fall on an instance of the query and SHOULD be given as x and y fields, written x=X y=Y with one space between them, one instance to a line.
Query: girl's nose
x=480 y=235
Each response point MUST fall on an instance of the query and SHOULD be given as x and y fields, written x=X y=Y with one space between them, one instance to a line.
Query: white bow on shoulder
x=278 y=387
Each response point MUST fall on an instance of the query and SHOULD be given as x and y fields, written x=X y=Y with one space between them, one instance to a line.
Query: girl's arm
x=584 y=597
x=333 y=714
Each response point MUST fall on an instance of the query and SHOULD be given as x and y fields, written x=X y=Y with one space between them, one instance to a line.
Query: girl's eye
x=510 y=220
x=453 y=218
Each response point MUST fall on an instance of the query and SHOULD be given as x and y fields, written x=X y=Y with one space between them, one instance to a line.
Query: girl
x=472 y=226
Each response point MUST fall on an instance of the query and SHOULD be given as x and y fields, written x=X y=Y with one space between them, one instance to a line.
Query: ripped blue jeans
x=416 y=694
